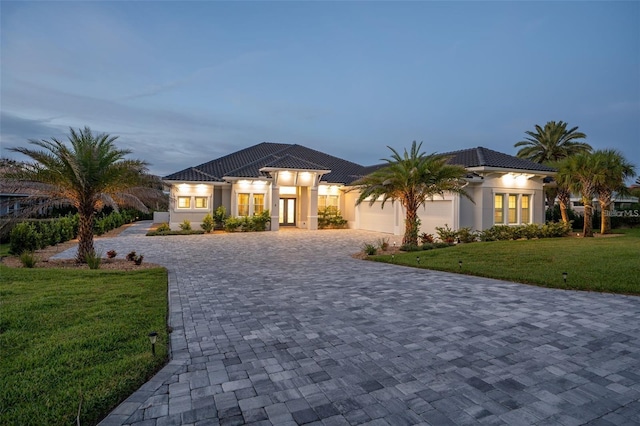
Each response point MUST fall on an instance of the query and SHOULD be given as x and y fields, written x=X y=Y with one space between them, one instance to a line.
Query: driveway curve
x=286 y=328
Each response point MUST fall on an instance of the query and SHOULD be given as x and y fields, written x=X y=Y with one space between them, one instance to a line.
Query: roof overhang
x=503 y=170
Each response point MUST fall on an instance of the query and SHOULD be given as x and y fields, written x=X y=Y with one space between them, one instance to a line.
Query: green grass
x=4 y=249
x=608 y=264
x=68 y=336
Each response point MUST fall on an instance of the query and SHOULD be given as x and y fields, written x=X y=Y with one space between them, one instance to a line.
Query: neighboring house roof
x=484 y=157
x=248 y=162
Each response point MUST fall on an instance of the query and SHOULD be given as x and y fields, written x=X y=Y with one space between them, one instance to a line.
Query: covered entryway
x=287 y=213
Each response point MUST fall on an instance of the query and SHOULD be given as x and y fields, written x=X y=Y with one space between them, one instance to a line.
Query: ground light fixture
x=460 y=263
x=418 y=259
x=564 y=277
x=153 y=338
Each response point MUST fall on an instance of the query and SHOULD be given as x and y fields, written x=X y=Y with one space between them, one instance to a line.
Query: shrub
x=185 y=225
x=231 y=224
x=259 y=221
x=428 y=246
x=111 y=254
x=330 y=218
x=426 y=238
x=466 y=235
x=409 y=247
x=93 y=260
x=24 y=237
x=219 y=216
x=28 y=259
x=369 y=249
x=208 y=223
x=131 y=256
x=446 y=234
x=163 y=227
x=138 y=260
x=383 y=243
x=555 y=229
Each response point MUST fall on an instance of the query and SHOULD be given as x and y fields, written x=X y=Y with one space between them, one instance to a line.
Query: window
x=258 y=203
x=325 y=201
x=184 y=202
x=525 y=210
x=513 y=209
x=498 y=215
x=243 y=204
x=201 y=202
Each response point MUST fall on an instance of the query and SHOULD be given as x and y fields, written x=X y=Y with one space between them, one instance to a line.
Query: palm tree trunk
x=563 y=201
x=411 y=227
x=85 y=234
x=551 y=194
x=587 y=229
x=605 y=198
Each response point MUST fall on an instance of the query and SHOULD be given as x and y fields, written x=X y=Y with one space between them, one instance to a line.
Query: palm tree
x=549 y=145
x=613 y=171
x=89 y=175
x=411 y=179
x=581 y=174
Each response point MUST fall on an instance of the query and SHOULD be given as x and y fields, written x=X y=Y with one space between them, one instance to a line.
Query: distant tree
x=550 y=145
x=411 y=179
x=89 y=174
x=577 y=172
x=611 y=170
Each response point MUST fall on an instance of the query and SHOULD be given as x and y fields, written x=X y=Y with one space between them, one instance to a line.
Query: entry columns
x=275 y=206
x=312 y=217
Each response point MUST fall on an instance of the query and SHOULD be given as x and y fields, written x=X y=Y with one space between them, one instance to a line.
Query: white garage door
x=435 y=213
x=375 y=218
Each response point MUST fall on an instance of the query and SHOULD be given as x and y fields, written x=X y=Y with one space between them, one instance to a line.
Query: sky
x=182 y=83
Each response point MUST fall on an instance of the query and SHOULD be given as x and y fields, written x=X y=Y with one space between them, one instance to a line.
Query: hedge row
x=37 y=234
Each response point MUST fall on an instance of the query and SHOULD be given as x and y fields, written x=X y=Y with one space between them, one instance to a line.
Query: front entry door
x=287 y=212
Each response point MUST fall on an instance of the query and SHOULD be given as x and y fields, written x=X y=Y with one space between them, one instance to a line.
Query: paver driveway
x=286 y=328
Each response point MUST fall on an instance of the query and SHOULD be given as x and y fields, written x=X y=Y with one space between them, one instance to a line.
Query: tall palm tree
x=613 y=171
x=88 y=175
x=411 y=179
x=581 y=174
x=549 y=145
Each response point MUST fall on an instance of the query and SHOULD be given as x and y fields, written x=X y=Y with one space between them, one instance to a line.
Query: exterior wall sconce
x=153 y=337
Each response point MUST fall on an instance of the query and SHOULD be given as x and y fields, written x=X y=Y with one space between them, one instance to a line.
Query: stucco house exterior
x=293 y=182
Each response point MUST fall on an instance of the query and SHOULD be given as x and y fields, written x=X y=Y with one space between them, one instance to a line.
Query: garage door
x=435 y=213
x=375 y=218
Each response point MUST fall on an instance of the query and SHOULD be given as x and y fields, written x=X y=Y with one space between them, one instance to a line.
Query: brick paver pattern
x=285 y=328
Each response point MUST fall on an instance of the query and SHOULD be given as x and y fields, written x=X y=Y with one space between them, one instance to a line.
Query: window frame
x=199 y=197
x=185 y=198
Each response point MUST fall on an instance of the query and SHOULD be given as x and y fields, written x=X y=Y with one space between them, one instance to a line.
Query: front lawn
x=73 y=339
x=607 y=264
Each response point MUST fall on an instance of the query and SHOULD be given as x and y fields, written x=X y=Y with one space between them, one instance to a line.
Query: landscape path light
x=564 y=277
x=153 y=337
x=460 y=264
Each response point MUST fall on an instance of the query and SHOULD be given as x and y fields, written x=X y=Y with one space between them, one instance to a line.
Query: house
x=293 y=182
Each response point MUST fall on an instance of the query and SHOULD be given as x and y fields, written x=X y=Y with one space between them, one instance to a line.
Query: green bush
x=28 y=259
x=231 y=224
x=93 y=260
x=446 y=234
x=466 y=235
x=163 y=227
x=24 y=237
x=185 y=225
x=369 y=249
x=208 y=223
x=219 y=216
x=330 y=218
x=409 y=247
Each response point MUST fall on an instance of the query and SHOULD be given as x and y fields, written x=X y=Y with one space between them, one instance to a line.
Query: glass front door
x=287 y=212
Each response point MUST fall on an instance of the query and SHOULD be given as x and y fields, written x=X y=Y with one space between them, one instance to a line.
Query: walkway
x=285 y=328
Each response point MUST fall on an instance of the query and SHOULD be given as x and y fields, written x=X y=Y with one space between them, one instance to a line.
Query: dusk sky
x=182 y=83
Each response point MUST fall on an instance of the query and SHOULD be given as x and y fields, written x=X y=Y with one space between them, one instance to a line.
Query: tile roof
x=478 y=157
x=247 y=163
